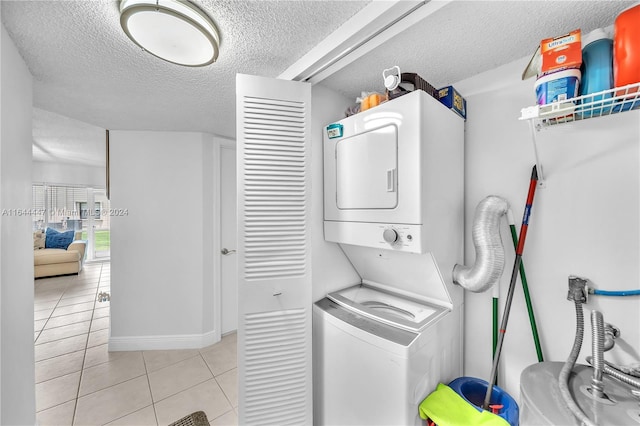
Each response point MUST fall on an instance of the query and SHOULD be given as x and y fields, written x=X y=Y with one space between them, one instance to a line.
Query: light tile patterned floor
x=78 y=382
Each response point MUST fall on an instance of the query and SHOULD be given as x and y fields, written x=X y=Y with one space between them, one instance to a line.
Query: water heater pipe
x=597 y=351
x=489 y=263
x=619 y=293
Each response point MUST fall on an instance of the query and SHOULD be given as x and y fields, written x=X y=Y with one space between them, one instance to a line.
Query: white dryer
x=377 y=354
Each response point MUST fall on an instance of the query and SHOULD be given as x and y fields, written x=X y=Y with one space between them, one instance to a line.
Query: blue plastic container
x=558 y=88
x=473 y=390
x=597 y=72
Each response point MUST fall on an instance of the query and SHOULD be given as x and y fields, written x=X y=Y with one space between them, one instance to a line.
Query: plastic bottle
x=597 y=72
x=626 y=51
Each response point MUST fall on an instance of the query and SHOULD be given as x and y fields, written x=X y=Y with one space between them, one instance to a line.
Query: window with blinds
x=39 y=204
x=58 y=207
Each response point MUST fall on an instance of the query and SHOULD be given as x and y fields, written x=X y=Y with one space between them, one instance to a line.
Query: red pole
x=514 y=277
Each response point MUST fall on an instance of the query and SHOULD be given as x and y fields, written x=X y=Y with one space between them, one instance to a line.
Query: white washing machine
x=378 y=354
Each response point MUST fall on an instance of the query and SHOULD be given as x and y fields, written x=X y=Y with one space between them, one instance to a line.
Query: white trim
x=354 y=38
x=152 y=343
x=219 y=143
x=347 y=35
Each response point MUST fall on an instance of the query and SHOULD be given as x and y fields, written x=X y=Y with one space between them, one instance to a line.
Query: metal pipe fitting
x=577 y=289
x=611 y=332
x=597 y=352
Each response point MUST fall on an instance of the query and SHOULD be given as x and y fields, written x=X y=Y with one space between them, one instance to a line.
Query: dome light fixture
x=174 y=30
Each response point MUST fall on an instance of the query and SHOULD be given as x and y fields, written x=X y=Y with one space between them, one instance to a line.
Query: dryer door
x=367 y=170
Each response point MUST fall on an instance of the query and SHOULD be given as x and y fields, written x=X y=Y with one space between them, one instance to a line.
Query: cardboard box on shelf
x=561 y=53
x=555 y=54
x=453 y=100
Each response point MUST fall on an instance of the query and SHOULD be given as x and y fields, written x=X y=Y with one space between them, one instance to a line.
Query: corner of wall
x=17 y=390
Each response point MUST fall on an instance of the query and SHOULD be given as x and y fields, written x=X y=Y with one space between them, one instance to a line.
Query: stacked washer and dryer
x=393 y=200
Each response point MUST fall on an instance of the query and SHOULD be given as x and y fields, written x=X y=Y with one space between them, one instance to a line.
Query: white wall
x=331 y=268
x=584 y=222
x=69 y=174
x=157 y=248
x=207 y=227
x=17 y=390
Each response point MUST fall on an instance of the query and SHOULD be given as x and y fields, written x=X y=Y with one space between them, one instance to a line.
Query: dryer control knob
x=390 y=235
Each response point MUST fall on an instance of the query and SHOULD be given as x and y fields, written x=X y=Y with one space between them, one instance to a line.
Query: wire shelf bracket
x=599 y=104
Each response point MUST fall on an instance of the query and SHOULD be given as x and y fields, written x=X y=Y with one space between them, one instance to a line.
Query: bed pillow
x=55 y=239
x=38 y=239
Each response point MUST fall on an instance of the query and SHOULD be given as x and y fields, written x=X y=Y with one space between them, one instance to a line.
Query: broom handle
x=512 y=285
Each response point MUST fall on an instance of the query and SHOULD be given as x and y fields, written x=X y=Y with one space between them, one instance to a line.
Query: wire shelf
x=598 y=104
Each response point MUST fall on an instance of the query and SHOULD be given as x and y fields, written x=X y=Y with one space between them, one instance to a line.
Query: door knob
x=226 y=251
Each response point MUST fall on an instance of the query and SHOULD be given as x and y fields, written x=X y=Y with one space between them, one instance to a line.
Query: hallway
x=78 y=382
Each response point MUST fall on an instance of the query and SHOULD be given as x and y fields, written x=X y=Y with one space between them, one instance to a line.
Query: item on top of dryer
x=391 y=77
x=489 y=263
x=365 y=101
x=453 y=100
x=409 y=82
x=371 y=100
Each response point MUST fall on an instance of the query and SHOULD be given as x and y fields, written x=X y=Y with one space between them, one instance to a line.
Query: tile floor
x=78 y=382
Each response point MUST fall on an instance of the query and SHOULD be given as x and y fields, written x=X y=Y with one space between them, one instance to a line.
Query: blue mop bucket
x=474 y=390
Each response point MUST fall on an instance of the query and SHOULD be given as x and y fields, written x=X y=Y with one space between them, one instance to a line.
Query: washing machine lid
x=390 y=308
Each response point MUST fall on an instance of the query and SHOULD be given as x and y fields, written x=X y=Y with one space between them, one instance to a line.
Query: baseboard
x=153 y=343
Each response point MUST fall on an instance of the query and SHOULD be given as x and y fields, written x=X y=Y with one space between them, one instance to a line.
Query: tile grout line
x=68 y=286
x=220 y=386
x=49 y=317
x=84 y=357
x=153 y=404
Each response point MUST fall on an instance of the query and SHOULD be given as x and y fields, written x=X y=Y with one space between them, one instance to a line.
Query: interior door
x=228 y=239
x=274 y=273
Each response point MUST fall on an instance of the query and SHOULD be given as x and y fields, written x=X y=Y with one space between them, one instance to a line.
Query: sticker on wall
x=334 y=131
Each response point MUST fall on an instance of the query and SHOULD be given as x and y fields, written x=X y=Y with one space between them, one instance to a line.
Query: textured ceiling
x=466 y=38
x=84 y=66
x=61 y=139
x=86 y=69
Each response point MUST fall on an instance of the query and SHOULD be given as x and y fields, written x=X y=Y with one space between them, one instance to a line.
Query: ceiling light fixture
x=173 y=30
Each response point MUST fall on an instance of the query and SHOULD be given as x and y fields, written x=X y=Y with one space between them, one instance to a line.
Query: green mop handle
x=527 y=298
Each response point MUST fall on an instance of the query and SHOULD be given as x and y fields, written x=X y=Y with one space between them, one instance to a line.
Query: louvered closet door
x=274 y=289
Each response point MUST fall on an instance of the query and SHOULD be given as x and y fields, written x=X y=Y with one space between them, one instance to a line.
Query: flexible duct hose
x=597 y=350
x=489 y=263
x=563 y=379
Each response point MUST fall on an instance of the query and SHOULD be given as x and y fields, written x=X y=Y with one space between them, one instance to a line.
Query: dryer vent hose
x=489 y=263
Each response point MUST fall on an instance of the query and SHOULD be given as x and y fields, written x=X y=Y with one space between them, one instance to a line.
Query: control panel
x=399 y=237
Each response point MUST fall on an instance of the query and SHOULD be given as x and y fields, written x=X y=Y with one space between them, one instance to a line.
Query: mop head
x=446 y=408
